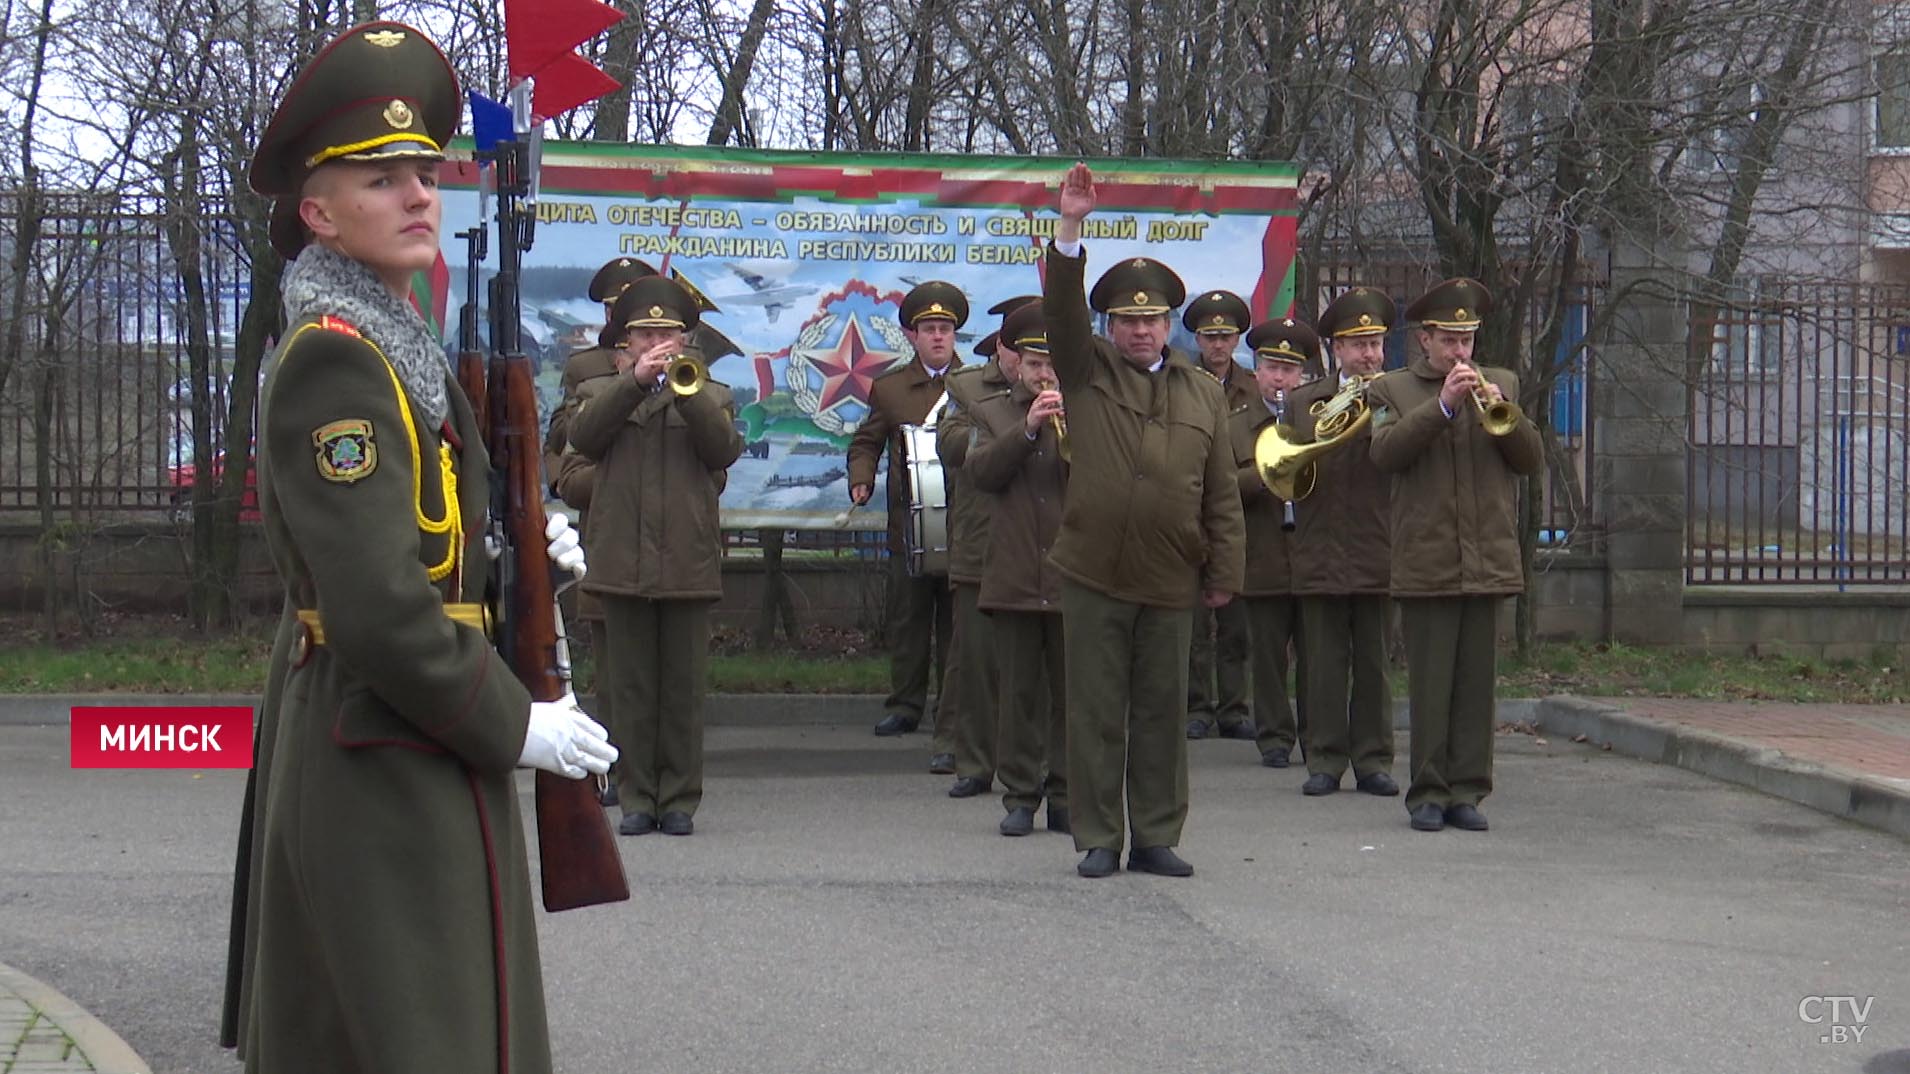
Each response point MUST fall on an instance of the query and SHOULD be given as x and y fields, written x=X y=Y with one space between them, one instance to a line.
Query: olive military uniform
x=1341 y=570
x=1455 y=554
x=1217 y=682
x=1152 y=519
x=382 y=916
x=969 y=524
x=662 y=461
x=920 y=609
x=1026 y=480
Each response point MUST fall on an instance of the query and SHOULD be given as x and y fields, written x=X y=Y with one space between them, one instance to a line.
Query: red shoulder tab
x=339 y=324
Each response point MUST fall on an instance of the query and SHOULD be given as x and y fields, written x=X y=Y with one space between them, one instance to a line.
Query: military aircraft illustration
x=773 y=294
x=571 y=331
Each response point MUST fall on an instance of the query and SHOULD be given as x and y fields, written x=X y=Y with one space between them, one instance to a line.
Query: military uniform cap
x=935 y=300
x=1456 y=305
x=655 y=302
x=380 y=91
x=1362 y=311
x=616 y=275
x=1285 y=340
x=986 y=348
x=1026 y=329
x=1009 y=305
x=1139 y=285
x=1217 y=313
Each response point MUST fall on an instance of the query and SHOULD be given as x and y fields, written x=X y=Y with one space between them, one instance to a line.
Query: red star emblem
x=849 y=369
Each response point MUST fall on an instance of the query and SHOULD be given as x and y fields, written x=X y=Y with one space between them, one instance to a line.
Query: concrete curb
x=1870 y=800
x=745 y=710
x=103 y=1051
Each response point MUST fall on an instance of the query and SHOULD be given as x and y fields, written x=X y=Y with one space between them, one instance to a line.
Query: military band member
x=662 y=461
x=1455 y=535
x=1341 y=565
x=969 y=525
x=1281 y=350
x=572 y=476
x=382 y=906
x=1152 y=526
x=920 y=609
x=1019 y=460
x=1218 y=654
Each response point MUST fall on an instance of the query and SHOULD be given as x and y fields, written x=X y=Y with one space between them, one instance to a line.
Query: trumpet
x=1058 y=421
x=685 y=375
x=1497 y=417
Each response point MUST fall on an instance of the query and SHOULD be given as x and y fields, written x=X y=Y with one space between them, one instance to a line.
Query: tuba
x=1285 y=465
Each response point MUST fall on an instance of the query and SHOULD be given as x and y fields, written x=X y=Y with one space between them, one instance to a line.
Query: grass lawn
x=157 y=655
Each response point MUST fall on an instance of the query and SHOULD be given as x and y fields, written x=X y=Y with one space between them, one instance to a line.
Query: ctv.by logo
x=1842 y=1018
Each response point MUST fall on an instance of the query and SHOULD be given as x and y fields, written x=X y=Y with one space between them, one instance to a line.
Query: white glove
x=566 y=548
x=561 y=738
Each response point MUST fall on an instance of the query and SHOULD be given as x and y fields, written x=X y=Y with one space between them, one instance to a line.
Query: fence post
x=1640 y=406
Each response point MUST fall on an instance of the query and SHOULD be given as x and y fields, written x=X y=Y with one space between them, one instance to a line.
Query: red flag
x=537 y=33
x=569 y=80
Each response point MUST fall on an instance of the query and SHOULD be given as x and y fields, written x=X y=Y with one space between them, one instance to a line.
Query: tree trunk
x=729 y=115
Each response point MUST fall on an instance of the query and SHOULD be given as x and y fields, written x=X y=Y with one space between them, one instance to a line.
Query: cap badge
x=1459 y=314
x=384 y=38
x=1365 y=319
x=398 y=114
x=1139 y=262
x=1288 y=322
x=656 y=312
x=1215 y=297
x=1140 y=298
x=1219 y=318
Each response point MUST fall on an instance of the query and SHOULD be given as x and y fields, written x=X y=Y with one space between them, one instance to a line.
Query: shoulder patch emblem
x=346 y=450
x=339 y=324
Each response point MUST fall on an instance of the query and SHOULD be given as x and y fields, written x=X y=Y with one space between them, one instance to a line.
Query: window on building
x=1891 y=71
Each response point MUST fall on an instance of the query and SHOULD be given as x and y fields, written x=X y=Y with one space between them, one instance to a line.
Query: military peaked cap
x=1457 y=305
x=1217 y=313
x=380 y=91
x=934 y=300
x=1284 y=340
x=616 y=275
x=655 y=302
x=1361 y=311
x=1139 y=285
x=1026 y=329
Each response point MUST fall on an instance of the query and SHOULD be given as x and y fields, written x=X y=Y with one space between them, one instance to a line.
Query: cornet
x=685 y=375
x=1058 y=421
x=1496 y=417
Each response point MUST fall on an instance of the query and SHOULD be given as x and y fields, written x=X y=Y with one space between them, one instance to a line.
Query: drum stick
x=843 y=518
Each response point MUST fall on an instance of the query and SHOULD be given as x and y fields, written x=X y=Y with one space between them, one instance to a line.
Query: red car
x=181 y=477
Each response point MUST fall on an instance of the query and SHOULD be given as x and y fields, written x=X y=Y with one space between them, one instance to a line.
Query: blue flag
x=490 y=121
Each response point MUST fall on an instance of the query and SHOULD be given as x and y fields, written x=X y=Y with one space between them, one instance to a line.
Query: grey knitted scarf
x=323 y=281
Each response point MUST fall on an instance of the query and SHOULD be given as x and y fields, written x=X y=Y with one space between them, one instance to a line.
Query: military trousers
x=658 y=671
x=1451 y=665
x=1030 y=652
x=1217 y=665
x=600 y=674
x=1346 y=644
x=920 y=623
x=1126 y=681
x=1275 y=624
x=973 y=651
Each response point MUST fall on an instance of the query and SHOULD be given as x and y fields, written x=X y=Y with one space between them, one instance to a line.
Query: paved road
x=835 y=912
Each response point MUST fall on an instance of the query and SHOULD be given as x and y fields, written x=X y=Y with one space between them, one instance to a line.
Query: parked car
x=181 y=477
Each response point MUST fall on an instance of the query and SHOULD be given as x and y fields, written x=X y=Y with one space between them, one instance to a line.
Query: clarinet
x=1280 y=416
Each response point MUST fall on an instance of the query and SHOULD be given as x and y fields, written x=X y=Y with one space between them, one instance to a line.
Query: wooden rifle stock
x=577 y=852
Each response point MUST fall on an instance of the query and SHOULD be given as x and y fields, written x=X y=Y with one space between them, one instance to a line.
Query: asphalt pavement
x=837 y=912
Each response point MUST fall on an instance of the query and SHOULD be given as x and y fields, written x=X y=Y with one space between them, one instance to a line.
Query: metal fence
x=95 y=413
x=1799 y=438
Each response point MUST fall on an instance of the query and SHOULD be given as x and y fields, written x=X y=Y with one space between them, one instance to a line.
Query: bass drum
x=927 y=533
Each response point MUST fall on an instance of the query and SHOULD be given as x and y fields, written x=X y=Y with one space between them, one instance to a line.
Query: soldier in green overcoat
x=1151 y=528
x=382 y=916
x=1455 y=535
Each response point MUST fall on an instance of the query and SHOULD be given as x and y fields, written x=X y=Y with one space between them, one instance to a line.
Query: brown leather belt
x=311 y=627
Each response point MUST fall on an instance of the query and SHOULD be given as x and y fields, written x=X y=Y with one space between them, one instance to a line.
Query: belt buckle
x=302 y=645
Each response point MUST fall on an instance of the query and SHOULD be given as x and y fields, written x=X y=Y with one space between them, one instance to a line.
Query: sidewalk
x=1849 y=760
x=43 y=1032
